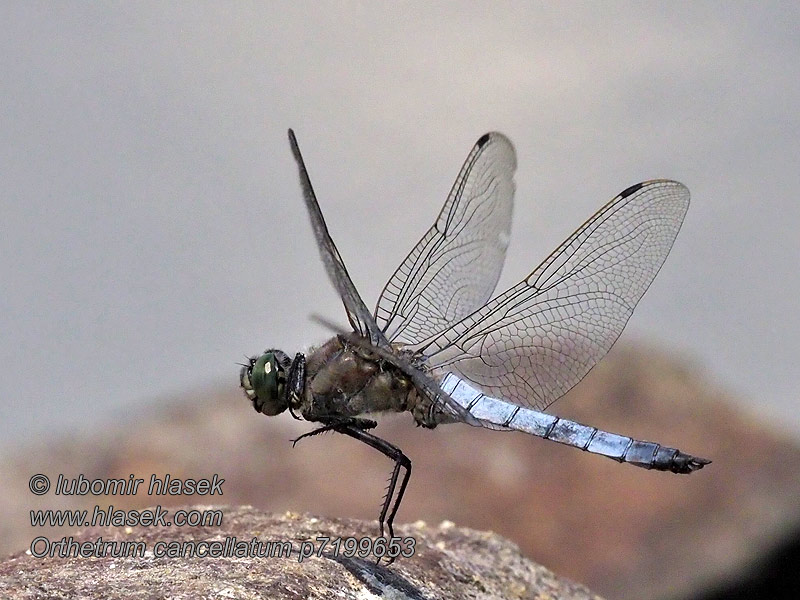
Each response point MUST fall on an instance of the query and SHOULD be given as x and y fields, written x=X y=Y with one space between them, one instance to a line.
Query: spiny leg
x=403 y=485
x=296 y=382
x=356 y=428
x=400 y=460
x=334 y=423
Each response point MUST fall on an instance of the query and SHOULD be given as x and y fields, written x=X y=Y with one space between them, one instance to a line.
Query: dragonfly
x=441 y=347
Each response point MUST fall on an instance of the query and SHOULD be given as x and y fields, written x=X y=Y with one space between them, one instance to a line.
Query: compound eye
x=265 y=379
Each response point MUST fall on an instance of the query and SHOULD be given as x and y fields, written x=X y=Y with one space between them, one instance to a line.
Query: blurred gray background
x=152 y=225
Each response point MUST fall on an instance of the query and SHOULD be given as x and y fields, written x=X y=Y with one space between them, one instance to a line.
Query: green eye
x=264 y=377
x=263 y=382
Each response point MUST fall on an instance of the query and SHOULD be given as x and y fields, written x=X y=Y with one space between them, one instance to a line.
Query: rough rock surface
x=625 y=532
x=448 y=562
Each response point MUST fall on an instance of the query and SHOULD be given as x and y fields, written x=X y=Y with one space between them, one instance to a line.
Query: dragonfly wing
x=360 y=318
x=453 y=269
x=533 y=343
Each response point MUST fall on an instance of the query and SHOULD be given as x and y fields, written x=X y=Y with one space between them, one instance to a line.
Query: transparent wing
x=453 y=269
x=533 y=343
x=357 y=312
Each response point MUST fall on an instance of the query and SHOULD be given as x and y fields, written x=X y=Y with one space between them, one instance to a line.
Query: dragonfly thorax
x=263 y=380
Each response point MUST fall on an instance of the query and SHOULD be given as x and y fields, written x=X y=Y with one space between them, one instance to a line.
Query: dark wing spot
x=631 y=190
x=482 y=141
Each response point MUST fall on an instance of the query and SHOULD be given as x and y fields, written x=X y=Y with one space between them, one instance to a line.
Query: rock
x=625 y=532
x=447 y=562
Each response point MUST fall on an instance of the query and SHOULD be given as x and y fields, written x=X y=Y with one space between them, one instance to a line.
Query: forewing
x=533 y=343
x=357 y=312
x=453 y=269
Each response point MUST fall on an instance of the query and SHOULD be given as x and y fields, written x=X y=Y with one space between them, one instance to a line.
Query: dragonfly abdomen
x=499 y=414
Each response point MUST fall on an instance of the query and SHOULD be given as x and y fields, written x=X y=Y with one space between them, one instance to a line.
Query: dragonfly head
x=263 y=380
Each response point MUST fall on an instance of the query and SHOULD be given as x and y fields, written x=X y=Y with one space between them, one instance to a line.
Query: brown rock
x=447 y=562
x=625 y=532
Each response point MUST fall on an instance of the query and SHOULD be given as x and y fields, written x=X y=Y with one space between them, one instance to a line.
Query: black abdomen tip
x=631 y=190
x=482 y=140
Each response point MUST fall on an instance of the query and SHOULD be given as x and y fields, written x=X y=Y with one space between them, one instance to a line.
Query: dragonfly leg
x=334 y=423
x=400 y=461
x=296 y=382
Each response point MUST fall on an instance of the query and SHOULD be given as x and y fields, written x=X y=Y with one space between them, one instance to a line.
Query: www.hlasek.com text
x=113 y=517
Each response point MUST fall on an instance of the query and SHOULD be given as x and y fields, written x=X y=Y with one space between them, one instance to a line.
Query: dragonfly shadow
x=380 y=580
